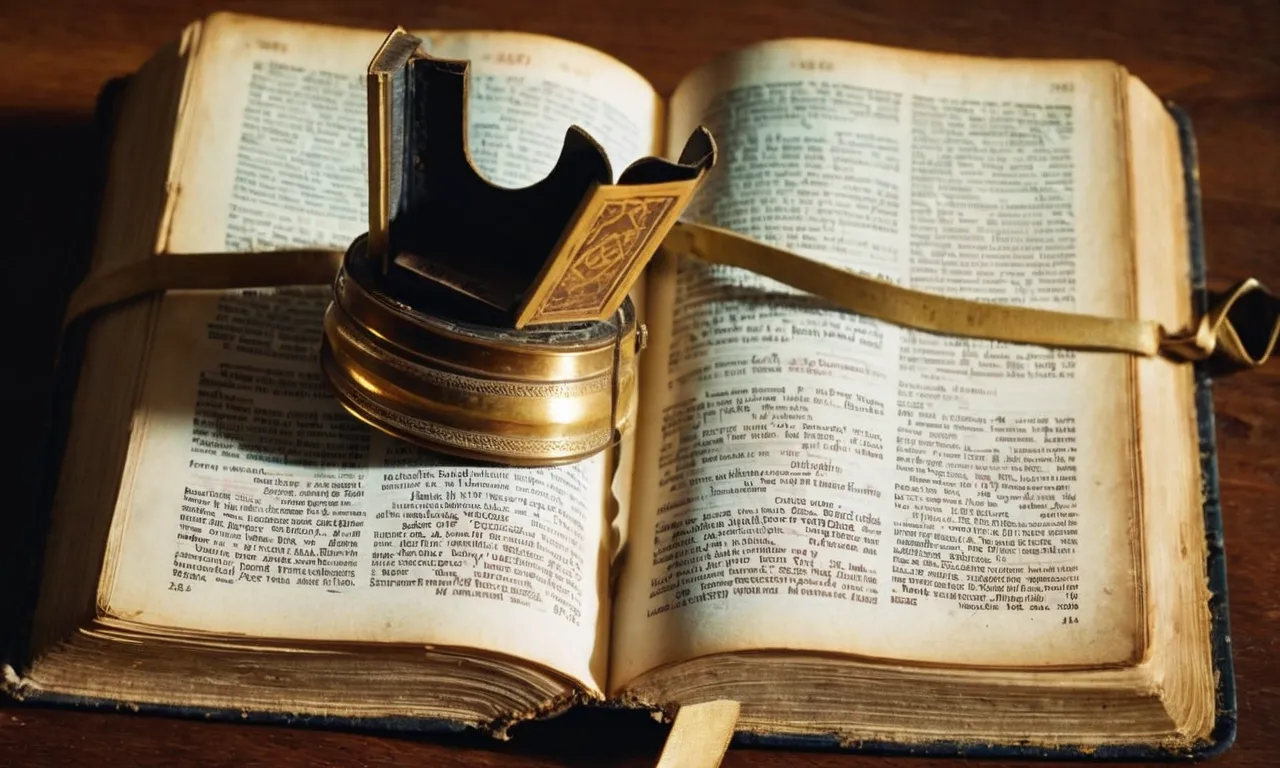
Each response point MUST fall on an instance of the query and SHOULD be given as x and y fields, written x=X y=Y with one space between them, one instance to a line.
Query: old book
x=869 y=537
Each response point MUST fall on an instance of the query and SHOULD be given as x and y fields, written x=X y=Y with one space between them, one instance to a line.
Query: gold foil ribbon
x=201 y=271
x=1240 y=328
x=700 y=735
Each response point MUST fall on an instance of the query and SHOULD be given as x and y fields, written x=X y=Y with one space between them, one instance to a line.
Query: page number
x=814 y=65
x=1062 y=87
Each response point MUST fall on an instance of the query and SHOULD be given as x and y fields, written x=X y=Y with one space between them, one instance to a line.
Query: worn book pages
x=252 y=505
x=855 y=532
x=1173 y=521
x=813 y=480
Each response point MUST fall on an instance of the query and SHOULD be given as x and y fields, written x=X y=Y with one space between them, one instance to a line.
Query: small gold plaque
x=599 y=260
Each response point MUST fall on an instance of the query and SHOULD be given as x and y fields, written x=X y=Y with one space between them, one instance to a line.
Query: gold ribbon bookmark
x=1240 y=328
x=700 y=735
x=201 y=271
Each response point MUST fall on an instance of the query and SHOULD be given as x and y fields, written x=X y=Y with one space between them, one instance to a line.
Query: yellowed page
x=252 y=504
x=1173 y=520
x=813 y=480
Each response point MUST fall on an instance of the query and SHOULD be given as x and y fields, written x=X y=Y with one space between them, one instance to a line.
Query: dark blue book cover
x=1221 y=738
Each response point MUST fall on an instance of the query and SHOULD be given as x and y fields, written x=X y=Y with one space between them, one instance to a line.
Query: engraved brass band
x=525 y=398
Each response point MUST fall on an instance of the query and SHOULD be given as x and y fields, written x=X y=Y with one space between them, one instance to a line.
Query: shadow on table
x=54 y=173
x=581 y=737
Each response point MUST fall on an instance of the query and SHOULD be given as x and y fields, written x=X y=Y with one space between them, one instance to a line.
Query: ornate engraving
x=461 y=383
x=513 y=447
x=615 y=239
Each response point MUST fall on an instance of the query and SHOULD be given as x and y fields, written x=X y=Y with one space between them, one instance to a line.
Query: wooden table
x=1220 y=61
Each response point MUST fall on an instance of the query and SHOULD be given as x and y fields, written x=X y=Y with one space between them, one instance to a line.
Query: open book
x=863 y=534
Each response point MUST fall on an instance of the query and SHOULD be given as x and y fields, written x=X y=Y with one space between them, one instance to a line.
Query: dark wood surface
x=1219 y=61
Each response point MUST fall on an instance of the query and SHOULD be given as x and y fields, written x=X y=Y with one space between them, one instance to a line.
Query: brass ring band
x=534 y=397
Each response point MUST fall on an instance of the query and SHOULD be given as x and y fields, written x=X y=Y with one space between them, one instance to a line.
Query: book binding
x=1223 y=735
